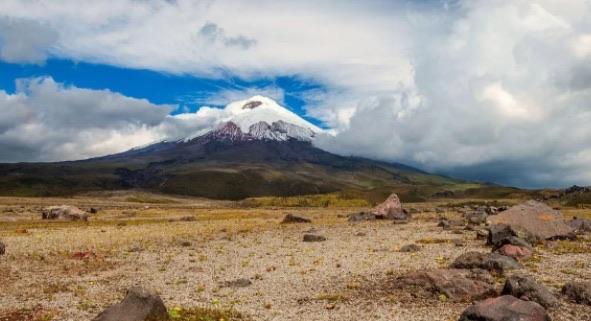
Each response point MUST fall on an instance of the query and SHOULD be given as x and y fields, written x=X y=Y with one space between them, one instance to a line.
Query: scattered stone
x=579 y=292
x=536 y=218
x=514 y=251
x=290 y=218
x=2 y=248
x=360 y=234
x=526 y=288
x=238 y=283
x=505 y=308
x=64 y=212
x=456 y=285
x=476 y=218
x=314 y=238
x=362 y=216
x=487 y=261
x=93 y=210
x=410 y=248
x=138 y=305
x=400 y=221
x=448 y=224
x=502 y=234
x=580 y=226
x=188 y=219
x=458 y=242
x=481 y=234
x=185 y=243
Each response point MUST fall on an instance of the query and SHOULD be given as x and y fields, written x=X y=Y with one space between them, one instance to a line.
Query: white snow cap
x=248 y=112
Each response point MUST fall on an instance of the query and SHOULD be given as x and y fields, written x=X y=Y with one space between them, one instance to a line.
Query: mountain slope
x=262 y=149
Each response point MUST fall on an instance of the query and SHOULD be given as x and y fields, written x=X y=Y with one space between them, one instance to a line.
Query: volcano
x=258 y=148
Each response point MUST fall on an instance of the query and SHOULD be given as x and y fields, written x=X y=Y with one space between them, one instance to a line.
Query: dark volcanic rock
x=505 y=308
x=579 y=292
x=410 y=248
x=528 y=289
x=363 y=216
x=456 y=285
x=538 y=219
x=487 y=261
x=138 y=305
x=501 y=234
x=314 y=238
x=290 y=218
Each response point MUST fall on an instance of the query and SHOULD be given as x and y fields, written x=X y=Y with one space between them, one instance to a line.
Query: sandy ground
x=72 y=271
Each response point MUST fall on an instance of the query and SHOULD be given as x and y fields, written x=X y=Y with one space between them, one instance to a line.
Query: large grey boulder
x=505 y=308
x=536 y=218
x=64 y=212
x=487 y=261
x=139 y=305
x=526 y=288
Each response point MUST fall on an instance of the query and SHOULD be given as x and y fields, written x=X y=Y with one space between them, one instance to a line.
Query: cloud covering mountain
x=496 y=90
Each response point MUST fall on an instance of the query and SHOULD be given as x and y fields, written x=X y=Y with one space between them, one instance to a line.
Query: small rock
x=2 y=248
x=521 y=286
x=505 y=308
x=410 y=248
x=448 y=224
x=188 y=219
x=290 y=218
x=138 y=305
x=362 y=216
x=514 y=251
x=476 y=218
x=93 y=210
x=360 y=234
x=314 y=238
x=487 y=261
x=238 y=283
x=481 y=234
x=400 y=221
x=458 y=242
x=579 y=292
x=185 y=243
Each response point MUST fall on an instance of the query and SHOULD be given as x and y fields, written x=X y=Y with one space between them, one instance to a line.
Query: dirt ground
x=73 y=270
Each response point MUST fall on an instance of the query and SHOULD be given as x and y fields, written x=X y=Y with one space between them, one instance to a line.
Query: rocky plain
x=125 y=257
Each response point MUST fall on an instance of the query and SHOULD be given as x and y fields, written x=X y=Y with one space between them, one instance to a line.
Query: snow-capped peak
x=258 y=117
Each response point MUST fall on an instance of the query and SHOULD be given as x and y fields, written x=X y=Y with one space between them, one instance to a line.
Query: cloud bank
x=495 y=90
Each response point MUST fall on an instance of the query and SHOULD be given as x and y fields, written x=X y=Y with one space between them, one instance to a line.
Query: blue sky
x=186 y=91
